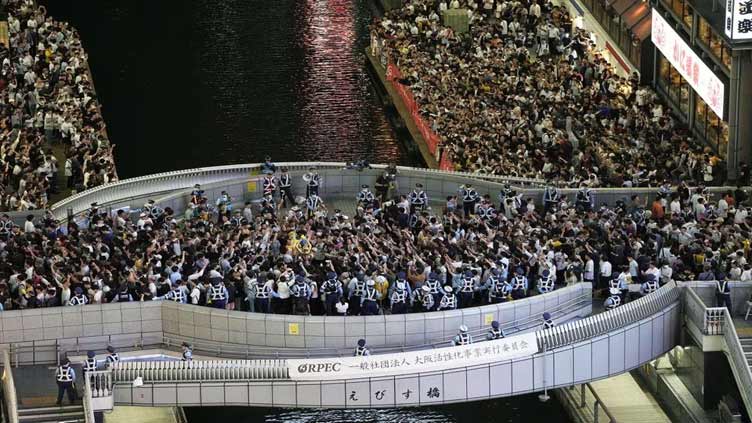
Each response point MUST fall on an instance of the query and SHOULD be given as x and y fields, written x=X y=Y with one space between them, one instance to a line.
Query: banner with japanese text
x=414 y=362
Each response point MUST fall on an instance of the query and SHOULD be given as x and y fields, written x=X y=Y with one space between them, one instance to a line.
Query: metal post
x=544 y=396
x=595 y=412
x=582 y=396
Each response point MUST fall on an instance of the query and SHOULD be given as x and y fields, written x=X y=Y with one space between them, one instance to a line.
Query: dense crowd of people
x=47 y=101
x=524 y=93
x=395 y=254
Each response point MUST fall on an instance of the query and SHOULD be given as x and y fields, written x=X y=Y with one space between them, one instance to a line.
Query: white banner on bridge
x=414 y=362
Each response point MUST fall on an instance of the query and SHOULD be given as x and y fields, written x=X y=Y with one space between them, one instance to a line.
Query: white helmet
x=614 y=291
x=463 y=328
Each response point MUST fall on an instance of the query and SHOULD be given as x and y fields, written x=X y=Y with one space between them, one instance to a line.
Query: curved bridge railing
x=600 y=350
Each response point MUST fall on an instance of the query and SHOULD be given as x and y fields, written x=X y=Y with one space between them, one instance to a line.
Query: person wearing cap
x=462 y=337
x=499 y=289
x=90 y=364
x=369 y=303
x=418 y=199
x=285 y=189
x=723 y=292
x=356 y=289
x=548 y=323
x=361 y=350
x=467 y=289
x=268 y=166
x=79 y=298
x=470 y=198
x=263 y=292
x=112 y=358
x=519 y=284
x=177 y=294
x=495 y=332
x=301 y=295
x=217 y=293
x=434 y=285
x=312 y=181
x=65 y=377
x=269 y=185
x=614 y=300
x=422 y=300
x=364 y=196
x=650 y=285
x=187 y=352
x=398 y=299
x=313 y=204
x=331 y=289
x=546 y=282
x=448 y=300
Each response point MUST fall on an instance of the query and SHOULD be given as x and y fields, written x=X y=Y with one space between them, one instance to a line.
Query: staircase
x=64 y=414
x=747 y=348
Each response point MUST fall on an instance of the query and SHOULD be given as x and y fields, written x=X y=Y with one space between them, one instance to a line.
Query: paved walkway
x=123 y=414
x=627 y=402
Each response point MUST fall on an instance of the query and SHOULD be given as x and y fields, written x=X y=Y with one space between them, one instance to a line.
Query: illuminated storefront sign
x=699 y=76
x=738 y=23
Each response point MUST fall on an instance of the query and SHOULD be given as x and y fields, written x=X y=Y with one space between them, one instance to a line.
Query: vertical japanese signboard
x=738 y=24
x=689 y=65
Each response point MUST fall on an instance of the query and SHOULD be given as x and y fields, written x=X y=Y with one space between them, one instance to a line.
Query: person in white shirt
x=605 y=271
x=342 y=306
x=29 y=224
x=589 y=274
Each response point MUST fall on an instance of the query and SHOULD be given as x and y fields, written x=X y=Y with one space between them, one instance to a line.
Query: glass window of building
x=714 y=42
x=674 y=85
x=709 y=126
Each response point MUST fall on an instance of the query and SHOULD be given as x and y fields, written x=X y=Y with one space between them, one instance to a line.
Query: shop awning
x=622 y=5
x=635 y=14
x=643 y=28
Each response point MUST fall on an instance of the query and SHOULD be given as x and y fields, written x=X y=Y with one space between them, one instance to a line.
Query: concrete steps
x=747 y=348
x=64 y=414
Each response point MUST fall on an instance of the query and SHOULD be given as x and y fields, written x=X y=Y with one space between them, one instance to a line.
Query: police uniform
x=500 y=290
x=495 y=332
x=285 y=188
x=301 y=292
x=361 y=350
x=550 y=198
x=313 y=202
x=124 y=296
x=486 y=211
x=263 y=291
x=435 y=286
x=78 y=299
x=649 y=286
x=187 y=354
x=467 y=290
x=269 y=185
x=424 y=301
x=448 y=301
x=365 y=196
x=723 y=294
x=613 y=301
x=112 y=360
x=177 y=295
x=65 y=376
x=399 y=300
x=90 y=365
x=356 y=296
x=548 y=323
x=469 y=198
x=6 y=229
x=368 y=303
x=585 y=199
x=217 y=295
x=519 y=286
x=545 y=283
x=418 y=199
x=462 y=338
x=332 y=290
x=313 y=181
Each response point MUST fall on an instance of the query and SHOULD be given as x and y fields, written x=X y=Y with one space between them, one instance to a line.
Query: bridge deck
x=627 y=401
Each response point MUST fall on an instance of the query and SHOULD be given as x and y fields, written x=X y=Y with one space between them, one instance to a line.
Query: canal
x=210 y=82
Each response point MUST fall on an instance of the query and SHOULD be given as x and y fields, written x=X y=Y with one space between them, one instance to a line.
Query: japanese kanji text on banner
x=414 y=362
x=689 y=65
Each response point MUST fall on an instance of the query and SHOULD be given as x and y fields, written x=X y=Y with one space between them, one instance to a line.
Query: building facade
x=705 y=74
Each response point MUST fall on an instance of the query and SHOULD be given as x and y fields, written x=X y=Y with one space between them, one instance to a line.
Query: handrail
x=201 y=370
x=714 y=320
x=9 y=386
x=600 y=324
x=694 y=309
x=87 y=399
x=739 y=364
x=597 y=403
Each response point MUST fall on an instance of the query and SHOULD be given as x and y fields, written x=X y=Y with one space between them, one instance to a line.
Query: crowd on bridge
x=47 y=105
x=400 y=251
x=525 y=93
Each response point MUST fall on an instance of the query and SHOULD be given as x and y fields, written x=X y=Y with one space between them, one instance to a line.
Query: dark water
x=524 y=409
x=210 y=82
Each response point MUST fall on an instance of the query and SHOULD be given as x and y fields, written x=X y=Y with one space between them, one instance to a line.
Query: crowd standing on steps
x=524 y=93
x=47 y=99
